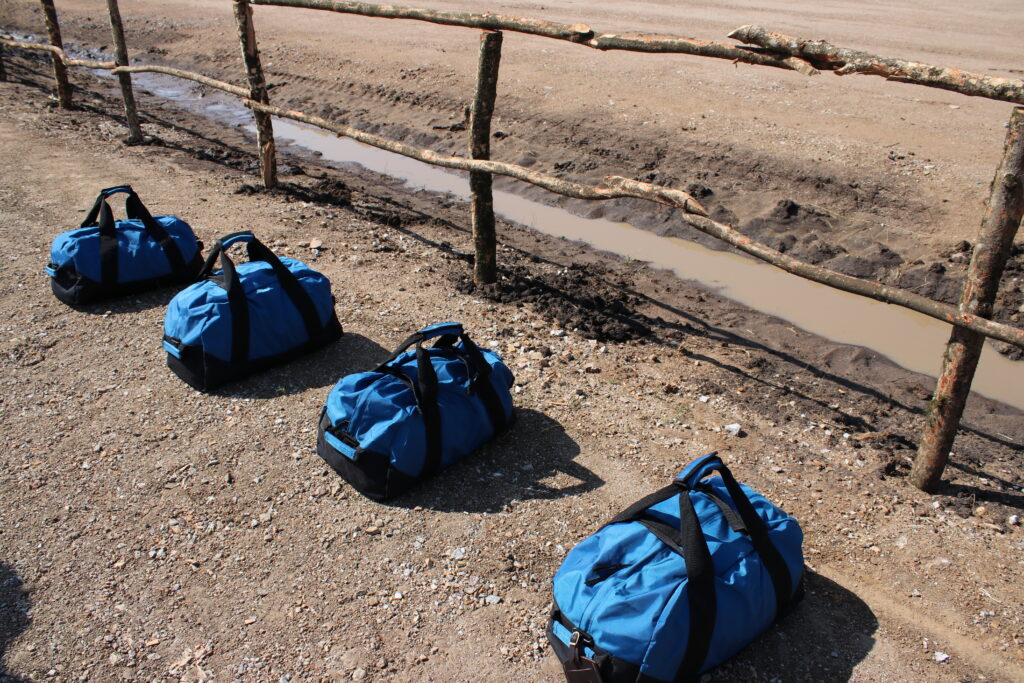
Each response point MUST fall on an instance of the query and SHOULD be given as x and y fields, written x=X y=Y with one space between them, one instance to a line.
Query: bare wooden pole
x=131 y=115
x=977 y=298
x=485 y=240
x=60 y=71
x=257 y=92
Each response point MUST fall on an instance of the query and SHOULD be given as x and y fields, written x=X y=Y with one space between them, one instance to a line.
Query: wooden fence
x=970 y=319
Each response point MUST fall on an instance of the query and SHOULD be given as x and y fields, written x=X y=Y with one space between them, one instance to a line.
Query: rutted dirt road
x=152 y=533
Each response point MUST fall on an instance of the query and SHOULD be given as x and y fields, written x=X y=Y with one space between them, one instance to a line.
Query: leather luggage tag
x=581 y=670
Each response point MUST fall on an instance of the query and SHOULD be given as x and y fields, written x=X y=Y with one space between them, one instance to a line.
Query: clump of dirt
x=327 y=191
x=576 y=298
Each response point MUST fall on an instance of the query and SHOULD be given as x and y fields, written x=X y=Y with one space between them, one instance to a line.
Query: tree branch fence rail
x=970 y=318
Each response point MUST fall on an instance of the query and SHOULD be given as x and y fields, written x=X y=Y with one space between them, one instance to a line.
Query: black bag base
x=607 y=668
x=205 y=372
x=76 y=290
x=370 y=473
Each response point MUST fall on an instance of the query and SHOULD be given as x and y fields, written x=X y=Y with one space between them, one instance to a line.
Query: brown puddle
x=910 y=339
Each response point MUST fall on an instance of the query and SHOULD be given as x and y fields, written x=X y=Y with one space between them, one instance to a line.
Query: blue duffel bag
x=678 y=583
x=246 y=318
x=418 y=412
x=105 y=258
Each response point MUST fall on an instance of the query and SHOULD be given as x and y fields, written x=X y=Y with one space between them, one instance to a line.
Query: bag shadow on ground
x=824 y=638
x=130 y=303
x=14 y=616
x=318 y=369
x=533 y=459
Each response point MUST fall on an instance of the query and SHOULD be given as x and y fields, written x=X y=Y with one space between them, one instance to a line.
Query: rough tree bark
x=257 y=92
x=238 y=91
x=981 y=284
x=581 y=34
x=3 y=69
x=485 y=240
x=773 y=49
x=60 y=71
x=131 y=114
x=827 y=57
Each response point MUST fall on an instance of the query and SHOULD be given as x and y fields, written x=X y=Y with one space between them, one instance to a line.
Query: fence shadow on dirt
x=14 y=616
x=970 y=496
x=320 y=369
x=823 y=639
x=534 y=459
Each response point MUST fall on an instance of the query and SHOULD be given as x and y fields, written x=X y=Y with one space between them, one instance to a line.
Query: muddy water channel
x=912 y=340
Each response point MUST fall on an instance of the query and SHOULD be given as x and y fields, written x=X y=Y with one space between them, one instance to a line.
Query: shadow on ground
x=132 y=303
x=318 y=369
x=534 y=459
x=14 y=616
x=823 y=639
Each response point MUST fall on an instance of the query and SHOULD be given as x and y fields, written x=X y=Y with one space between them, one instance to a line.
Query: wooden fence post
x=131 y=115
x=257 y=92
x=485 y=241
x=60 y=71
x=981 y=284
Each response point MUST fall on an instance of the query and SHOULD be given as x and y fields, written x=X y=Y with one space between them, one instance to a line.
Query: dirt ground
x=149 y=532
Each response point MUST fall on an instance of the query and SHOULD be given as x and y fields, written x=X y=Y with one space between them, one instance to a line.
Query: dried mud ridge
x=576 y=298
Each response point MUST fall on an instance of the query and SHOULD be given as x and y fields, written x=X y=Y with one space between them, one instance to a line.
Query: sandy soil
x=152 y=533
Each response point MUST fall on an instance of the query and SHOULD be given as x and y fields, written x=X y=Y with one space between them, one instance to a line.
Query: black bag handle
x=447 y=334
x=425 y=388
x=782 y=582
x=101 y=216
x=689 y=542
x=232 y=284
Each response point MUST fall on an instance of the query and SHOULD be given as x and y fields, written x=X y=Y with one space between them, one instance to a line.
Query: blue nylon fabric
x=200 y=315
x=139 y=257
x=382 y=415
x=640 y=613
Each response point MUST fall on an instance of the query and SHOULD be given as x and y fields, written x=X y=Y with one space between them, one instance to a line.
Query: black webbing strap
x=636 y=510
x=431 y=418
x=481 y=383
x=426 y=378
x=732 y=517
x=426 y=385
x=108 y=244
x=237 y=301
x=688 y=541
x=101 y=216
x=773 y=562
x=700 y=572
x=240 y=327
